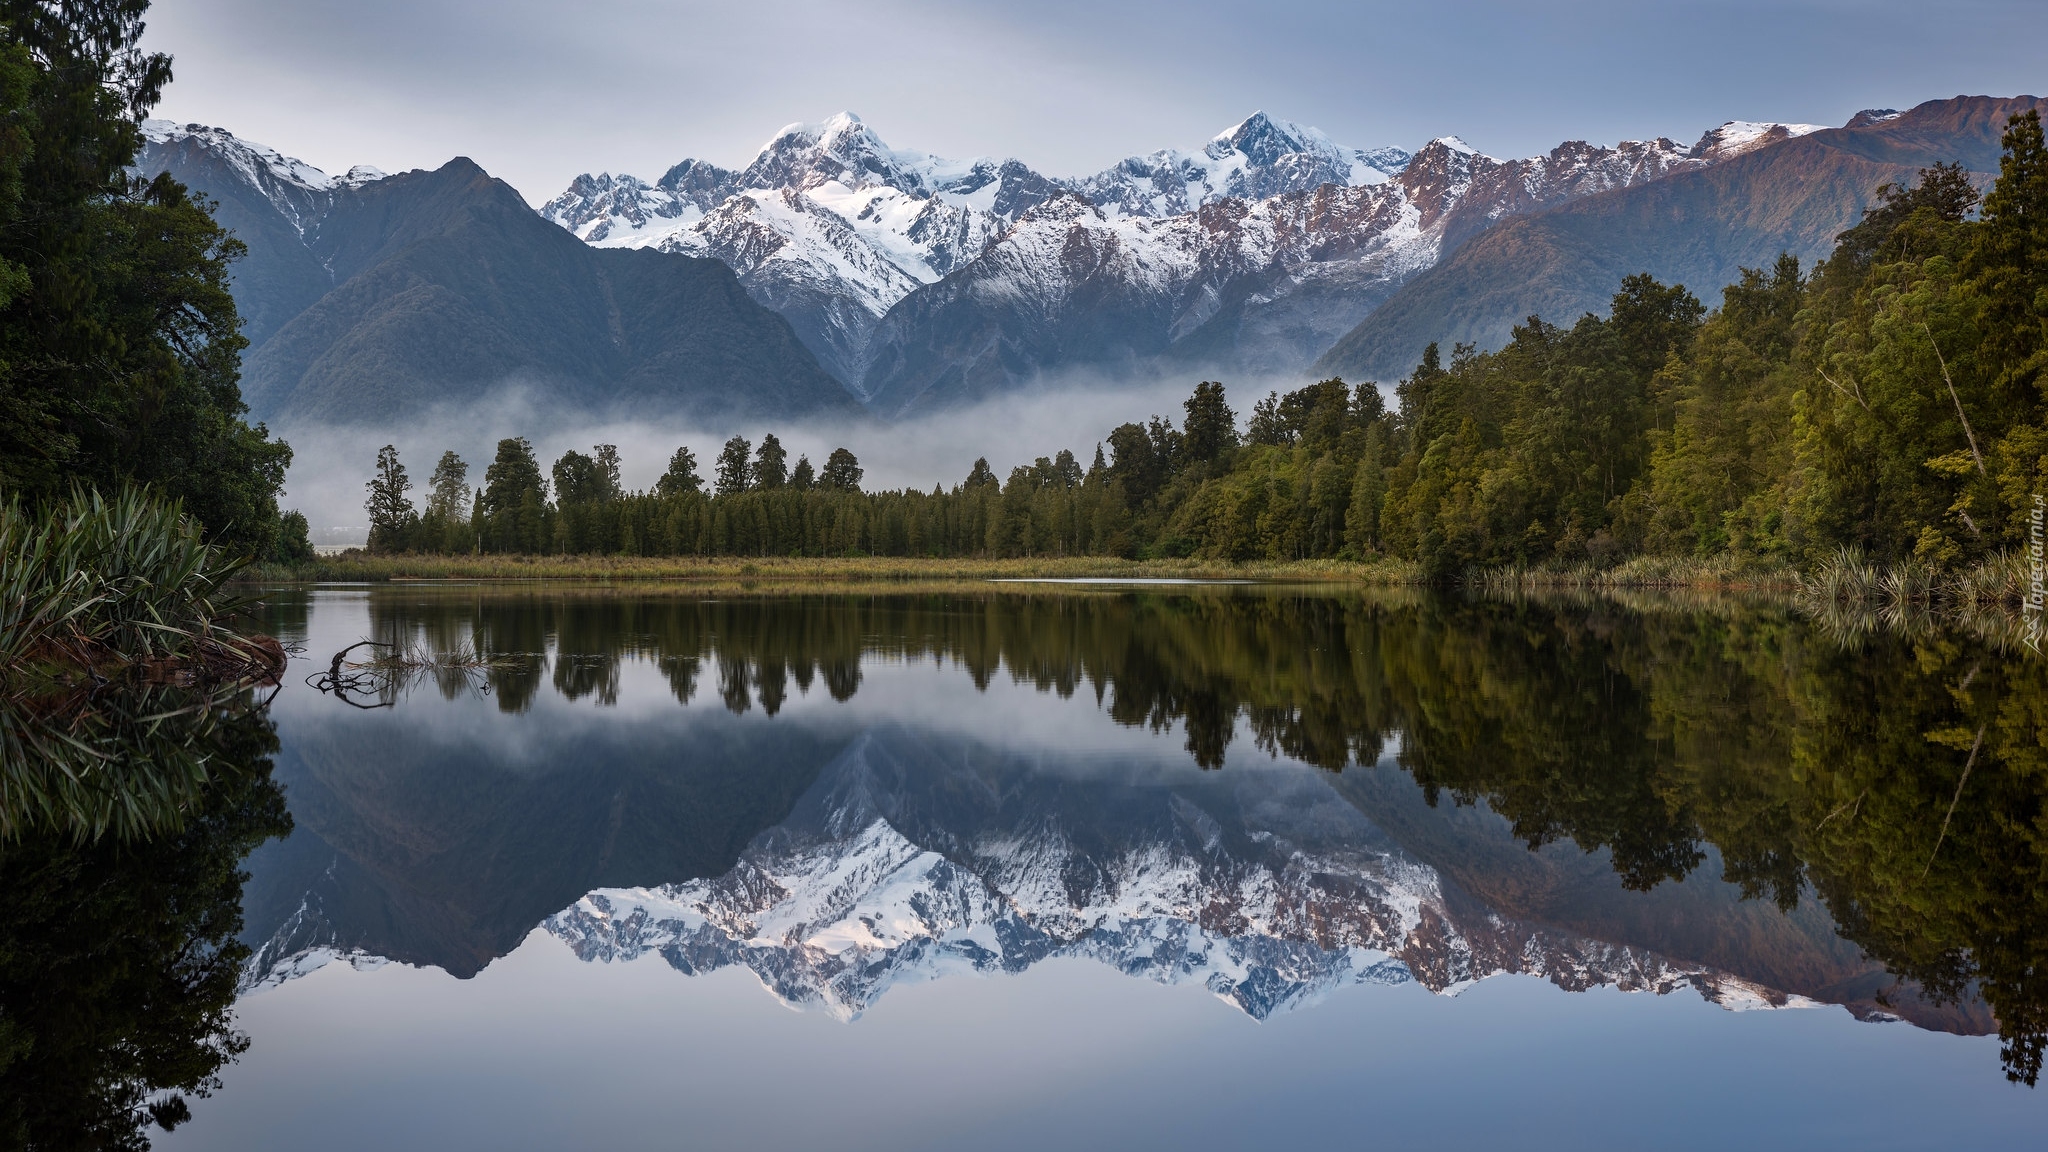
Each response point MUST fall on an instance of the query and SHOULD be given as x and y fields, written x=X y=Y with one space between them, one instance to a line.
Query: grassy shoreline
x=356 y=566
x=1997 y=584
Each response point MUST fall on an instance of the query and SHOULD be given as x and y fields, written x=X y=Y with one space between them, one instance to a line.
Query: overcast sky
x=538 y=92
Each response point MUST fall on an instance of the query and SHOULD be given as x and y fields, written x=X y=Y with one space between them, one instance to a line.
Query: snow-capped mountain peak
x=1263 y=140
x=827 y=224
x=297 y=189
x=834 y=228
x=1258 y=157
x=257 y=163
x=1738 y=137
x=841 y=149
x=1871 y=117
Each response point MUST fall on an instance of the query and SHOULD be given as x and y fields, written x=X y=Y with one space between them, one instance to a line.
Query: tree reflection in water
x=120 y=904
x=1897 y=775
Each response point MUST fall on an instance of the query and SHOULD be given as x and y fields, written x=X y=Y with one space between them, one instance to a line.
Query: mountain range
x=1699 y=228
x=834 y=273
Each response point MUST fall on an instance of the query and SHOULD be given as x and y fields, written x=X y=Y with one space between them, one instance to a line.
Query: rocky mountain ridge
x=299 y=191
x=1765 y=190
x=1243 y=287
x=1276 y=236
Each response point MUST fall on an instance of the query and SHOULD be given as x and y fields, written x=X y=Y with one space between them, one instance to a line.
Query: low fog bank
x=330 y=463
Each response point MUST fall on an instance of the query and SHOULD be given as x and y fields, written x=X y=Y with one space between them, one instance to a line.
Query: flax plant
x=117 y=671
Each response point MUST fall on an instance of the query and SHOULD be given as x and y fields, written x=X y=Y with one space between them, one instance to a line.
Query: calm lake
x=1029 y=866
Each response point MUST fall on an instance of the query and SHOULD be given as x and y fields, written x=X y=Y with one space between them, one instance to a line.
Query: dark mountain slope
x=368 y=299
x=280 y=277
x=450 y=859
x=450 y=288
x=1699 y=228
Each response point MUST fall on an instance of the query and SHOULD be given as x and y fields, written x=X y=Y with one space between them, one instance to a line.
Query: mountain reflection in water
x=1310 y=788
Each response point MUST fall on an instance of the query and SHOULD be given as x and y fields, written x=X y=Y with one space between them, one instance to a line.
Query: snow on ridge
x=877 y=223
x=305 y=963
x=1256 y=158
x=1737 y=137
x=253 y=160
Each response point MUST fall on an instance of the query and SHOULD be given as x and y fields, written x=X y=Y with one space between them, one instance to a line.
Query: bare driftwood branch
x=1950 y=381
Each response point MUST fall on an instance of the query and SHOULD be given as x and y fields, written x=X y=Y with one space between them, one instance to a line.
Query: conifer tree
x=1135 y=460
x=606 y=457
x=842 y=471
x=1211 y=427
x=804 y=476
x=2008 y=265
x=444 y=524
x=1266 y=426
x=513 y=500
x=681 y=475
x=733 y=466
x=390 y=509
x=771 y=464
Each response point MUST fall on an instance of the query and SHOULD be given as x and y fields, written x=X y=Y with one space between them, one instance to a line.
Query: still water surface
x=1199 y=867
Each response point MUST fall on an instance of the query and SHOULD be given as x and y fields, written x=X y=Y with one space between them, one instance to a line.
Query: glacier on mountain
x=1253 y=159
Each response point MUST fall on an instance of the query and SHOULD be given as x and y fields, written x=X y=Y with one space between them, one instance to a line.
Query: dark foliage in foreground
x=120 y=347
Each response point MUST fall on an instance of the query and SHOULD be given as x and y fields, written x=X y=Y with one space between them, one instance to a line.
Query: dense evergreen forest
x=120 y=347
x=1889 y=400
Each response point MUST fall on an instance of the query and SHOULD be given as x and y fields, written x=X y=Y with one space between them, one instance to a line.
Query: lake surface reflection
x=1201 y=866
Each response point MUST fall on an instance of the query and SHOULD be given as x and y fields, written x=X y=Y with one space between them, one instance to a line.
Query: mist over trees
x=1888 y=400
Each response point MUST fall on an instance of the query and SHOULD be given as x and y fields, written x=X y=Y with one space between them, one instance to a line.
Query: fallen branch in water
x=384 y=677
